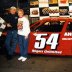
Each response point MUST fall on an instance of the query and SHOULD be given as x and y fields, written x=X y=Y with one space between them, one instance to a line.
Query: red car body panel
x=64 y=40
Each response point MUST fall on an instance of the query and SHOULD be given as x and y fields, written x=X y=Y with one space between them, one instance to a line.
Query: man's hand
x=8 y=25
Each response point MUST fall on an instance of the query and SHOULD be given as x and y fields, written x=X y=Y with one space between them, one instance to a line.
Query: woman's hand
x=19 y=26
x=26 y=37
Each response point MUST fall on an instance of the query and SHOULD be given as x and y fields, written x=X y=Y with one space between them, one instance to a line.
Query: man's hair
x=13 y=7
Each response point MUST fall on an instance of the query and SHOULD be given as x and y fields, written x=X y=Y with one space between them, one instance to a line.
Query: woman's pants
x=23 y=44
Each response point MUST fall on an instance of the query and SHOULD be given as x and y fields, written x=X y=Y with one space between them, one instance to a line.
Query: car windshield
x=69 y=27
x=53 y=26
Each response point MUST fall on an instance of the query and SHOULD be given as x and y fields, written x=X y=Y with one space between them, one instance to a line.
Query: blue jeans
x=11 y=41
x=23 y=44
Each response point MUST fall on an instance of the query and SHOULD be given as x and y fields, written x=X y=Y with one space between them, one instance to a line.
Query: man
x=11 y=38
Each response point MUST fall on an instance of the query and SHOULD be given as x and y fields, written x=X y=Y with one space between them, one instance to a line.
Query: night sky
x=9 y=3
x=4 y=4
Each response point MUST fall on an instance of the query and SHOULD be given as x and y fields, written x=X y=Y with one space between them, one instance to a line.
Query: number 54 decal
x=41 y=42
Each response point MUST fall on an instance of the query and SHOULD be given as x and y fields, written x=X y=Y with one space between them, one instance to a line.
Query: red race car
x=51 y=36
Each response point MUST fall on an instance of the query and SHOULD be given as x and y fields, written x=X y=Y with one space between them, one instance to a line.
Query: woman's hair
x=21 y=10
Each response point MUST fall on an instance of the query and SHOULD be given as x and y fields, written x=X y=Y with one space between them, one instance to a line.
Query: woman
x=23 y=34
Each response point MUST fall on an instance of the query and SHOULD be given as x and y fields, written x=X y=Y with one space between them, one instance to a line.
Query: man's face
x=12 y=11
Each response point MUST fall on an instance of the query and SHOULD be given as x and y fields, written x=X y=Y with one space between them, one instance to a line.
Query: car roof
x=52 y=19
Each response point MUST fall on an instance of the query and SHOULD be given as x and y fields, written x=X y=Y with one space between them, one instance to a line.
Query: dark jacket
x=13 y=20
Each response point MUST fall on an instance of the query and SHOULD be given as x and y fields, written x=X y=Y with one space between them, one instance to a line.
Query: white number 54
x=41 y=42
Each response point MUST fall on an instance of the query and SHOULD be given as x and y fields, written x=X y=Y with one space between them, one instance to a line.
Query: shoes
x=22 y=58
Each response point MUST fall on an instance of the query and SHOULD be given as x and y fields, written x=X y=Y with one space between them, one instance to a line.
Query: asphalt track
x=36 y=64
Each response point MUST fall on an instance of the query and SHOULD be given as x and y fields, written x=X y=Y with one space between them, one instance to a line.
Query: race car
x=51 y=36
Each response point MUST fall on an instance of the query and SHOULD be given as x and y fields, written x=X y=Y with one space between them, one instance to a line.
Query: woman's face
x=20 y=14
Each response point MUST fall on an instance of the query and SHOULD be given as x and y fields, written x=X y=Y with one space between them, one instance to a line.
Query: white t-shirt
x=26 y=26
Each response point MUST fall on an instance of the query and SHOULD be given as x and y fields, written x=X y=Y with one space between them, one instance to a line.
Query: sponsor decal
x=68 y=36
x=63 y=1
x=35 y=12
x=70 y=1
x=33 y=3
x=53 y=1
x=47 y=51
x=48 y=10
